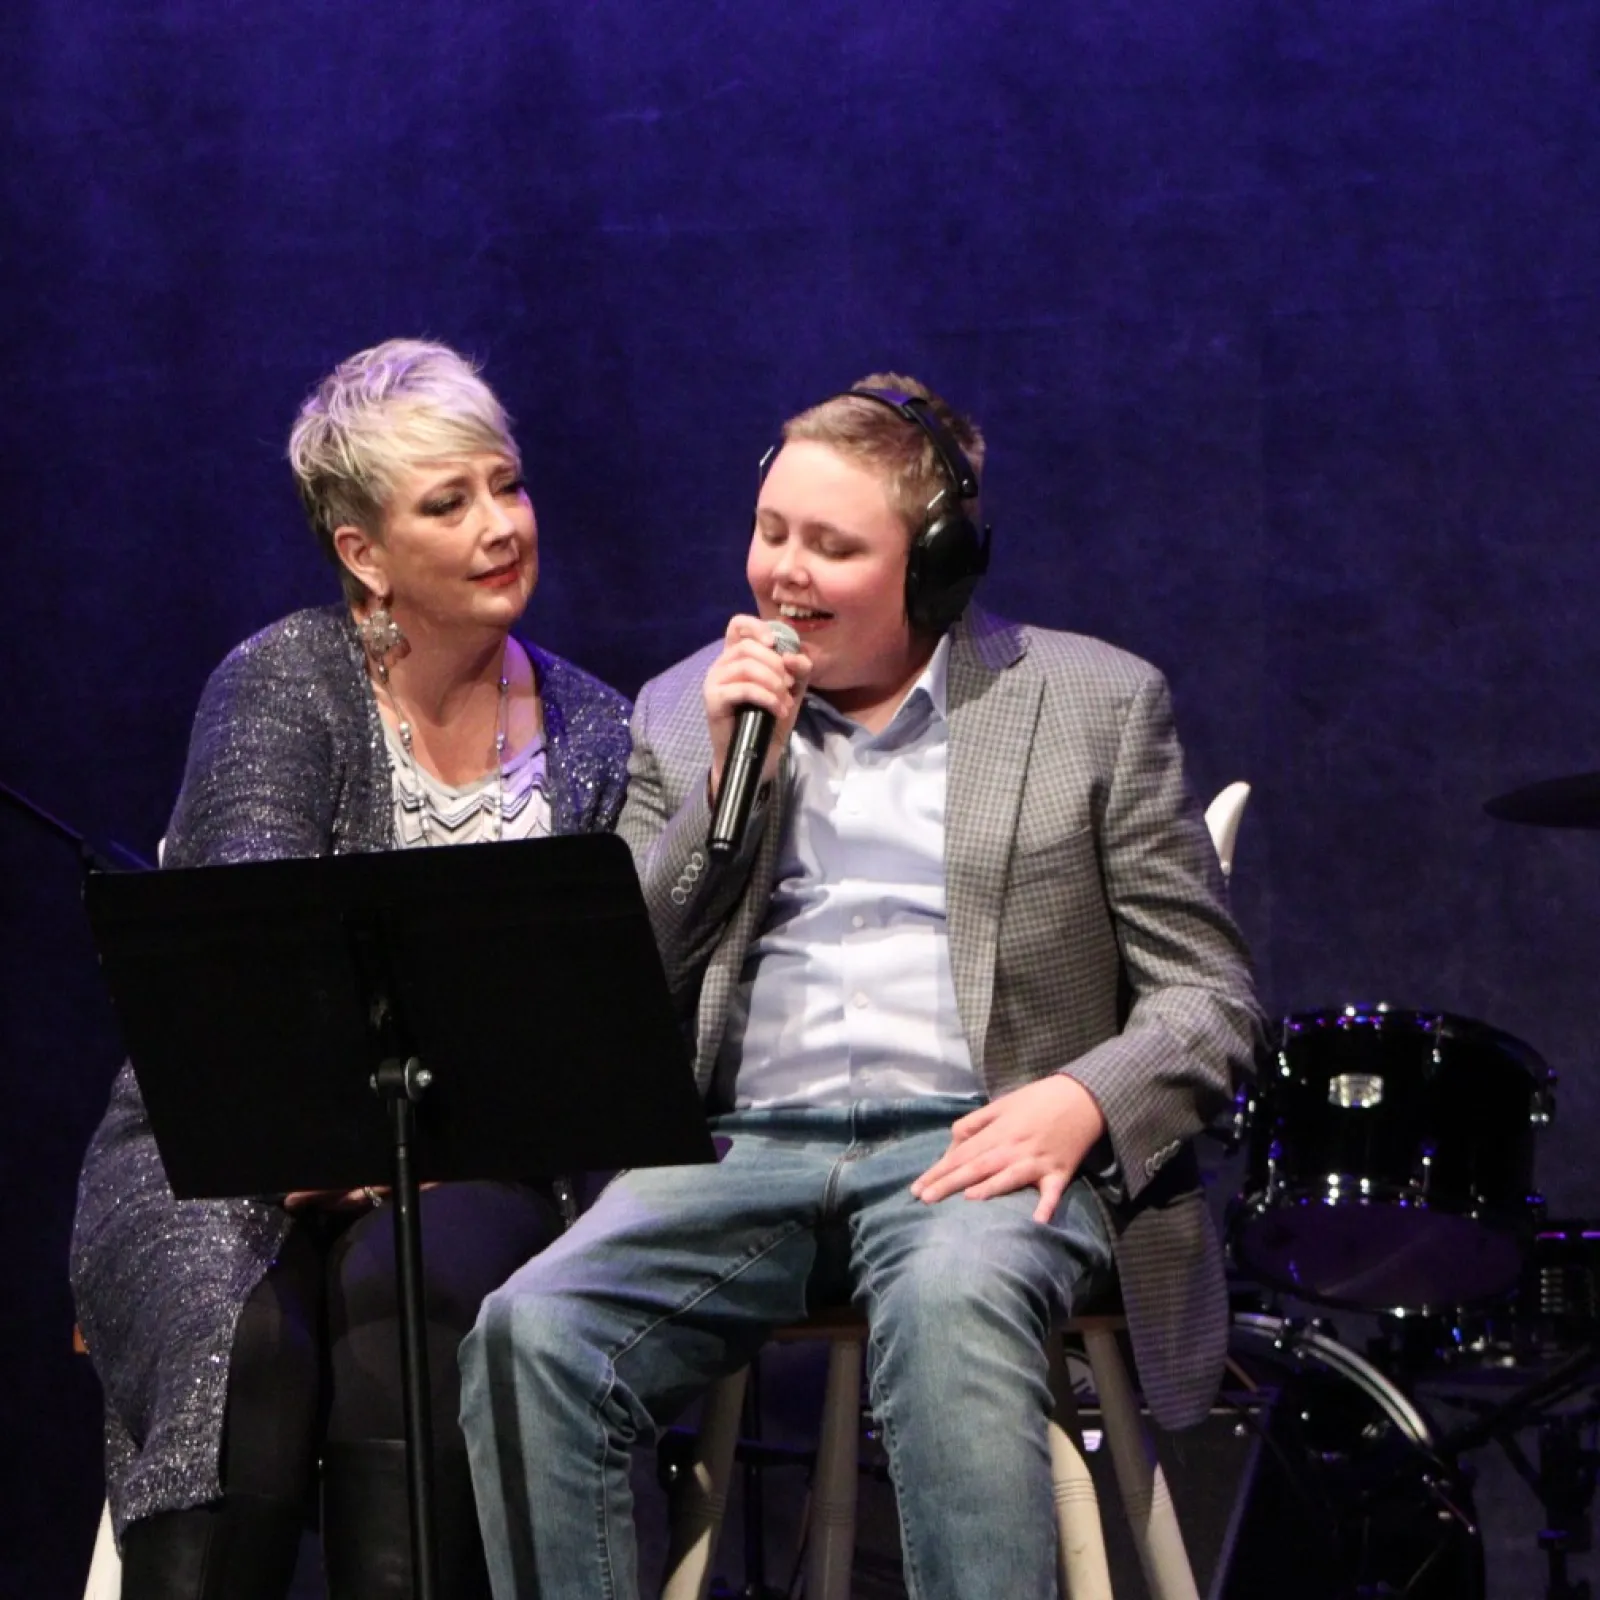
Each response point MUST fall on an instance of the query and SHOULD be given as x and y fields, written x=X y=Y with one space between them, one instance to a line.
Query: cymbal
x=1572 y=802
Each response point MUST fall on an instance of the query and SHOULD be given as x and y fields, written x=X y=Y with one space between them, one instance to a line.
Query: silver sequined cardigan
x=287 y=758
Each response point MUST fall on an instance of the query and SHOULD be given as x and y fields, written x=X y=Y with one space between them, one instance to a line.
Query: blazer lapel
x=993 y=708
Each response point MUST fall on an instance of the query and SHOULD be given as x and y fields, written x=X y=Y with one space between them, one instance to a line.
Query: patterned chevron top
x=464 y=813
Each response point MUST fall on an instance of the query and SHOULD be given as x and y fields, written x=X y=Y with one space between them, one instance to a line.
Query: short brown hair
x=871 y=433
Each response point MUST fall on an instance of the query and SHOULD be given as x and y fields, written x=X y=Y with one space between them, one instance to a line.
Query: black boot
x=243 y=1547
x=366 y=1523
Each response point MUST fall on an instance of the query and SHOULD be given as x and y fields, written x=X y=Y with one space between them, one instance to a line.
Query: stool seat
x=829 y=1322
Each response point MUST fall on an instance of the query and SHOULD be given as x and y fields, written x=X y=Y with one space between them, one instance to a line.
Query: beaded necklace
x=403 y=728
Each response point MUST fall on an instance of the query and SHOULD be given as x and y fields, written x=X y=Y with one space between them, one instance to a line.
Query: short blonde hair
x=898 y=450
x=377 y=416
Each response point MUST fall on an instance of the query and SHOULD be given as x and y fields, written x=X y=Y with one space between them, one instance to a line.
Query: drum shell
x=1391 y=1159
x=1553 y=1313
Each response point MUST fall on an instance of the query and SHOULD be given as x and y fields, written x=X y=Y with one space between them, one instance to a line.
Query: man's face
x=828 y=556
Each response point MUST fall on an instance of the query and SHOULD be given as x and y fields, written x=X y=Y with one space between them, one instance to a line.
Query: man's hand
x=1037 y=1135
x=749 y=672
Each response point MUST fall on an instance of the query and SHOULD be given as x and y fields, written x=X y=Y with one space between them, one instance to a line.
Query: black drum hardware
x=1389 y=1170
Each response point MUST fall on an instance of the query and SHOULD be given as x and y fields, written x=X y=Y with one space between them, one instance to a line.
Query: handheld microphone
x=741 y=776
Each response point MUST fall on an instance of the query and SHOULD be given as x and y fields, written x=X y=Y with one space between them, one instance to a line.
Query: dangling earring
x=380 y=637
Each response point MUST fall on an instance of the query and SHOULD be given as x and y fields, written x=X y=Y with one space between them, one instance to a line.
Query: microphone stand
x=114 y=858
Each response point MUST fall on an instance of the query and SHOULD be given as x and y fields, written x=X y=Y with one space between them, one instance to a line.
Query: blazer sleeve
x=258 y=783
x=1194 y=1024
x=665 y=820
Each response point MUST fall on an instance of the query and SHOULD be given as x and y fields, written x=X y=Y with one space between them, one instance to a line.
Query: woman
x=239 y=1341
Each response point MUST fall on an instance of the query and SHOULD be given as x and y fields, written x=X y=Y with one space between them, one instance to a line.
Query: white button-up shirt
x=846 y=993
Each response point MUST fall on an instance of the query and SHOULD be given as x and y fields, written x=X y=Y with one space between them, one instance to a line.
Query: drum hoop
x=1510 y=1220
x=1421 y=1019
x=1346 y=1363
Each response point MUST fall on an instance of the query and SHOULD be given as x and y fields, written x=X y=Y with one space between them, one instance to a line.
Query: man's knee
x=521 y=1336
x=944 y=1289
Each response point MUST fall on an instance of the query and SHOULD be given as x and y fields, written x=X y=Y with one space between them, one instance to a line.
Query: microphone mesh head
x=784 y=639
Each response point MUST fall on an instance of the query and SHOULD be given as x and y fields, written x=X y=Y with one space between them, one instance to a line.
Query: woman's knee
x=475 y=1236
x=275 y=1381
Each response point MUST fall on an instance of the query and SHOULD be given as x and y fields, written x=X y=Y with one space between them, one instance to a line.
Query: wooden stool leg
x=831 y=1542
x=105 y=1567
x=1081 y=1564
x=1151 y=1517
x=702 y=1502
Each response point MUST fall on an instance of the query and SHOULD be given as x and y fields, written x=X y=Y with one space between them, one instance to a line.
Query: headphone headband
x=915 y=409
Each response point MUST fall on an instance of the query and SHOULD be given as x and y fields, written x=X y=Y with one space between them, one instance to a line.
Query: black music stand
x=505 y=1001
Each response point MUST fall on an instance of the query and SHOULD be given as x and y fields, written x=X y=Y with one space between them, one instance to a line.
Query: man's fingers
x=1051 y=1188
x=959 y=1175
x=1021 y=1173
x=941 y=1169
x=744 y=626
x=973 y=1122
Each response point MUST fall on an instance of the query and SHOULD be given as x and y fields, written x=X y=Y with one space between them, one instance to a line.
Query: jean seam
x=709 y=1286
x=606 y=1390
x=883 y=1411
x=608 y=1576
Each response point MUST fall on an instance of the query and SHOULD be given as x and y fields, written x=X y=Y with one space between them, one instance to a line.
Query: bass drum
x=1345 y=1496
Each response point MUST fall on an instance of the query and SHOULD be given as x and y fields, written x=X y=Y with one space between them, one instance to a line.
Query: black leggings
x=316 y=1354
x=317 y=1351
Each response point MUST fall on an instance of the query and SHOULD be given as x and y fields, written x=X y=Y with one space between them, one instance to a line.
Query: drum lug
x=1291 y=1332
x=1272 y=1190
x=1422 y=1174
x=1243 y=1119
x=1542 y=1107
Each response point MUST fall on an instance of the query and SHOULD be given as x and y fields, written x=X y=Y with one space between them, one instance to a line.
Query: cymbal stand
x=1564 y=1479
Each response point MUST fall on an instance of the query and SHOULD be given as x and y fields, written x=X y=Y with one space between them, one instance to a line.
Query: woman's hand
x=335 y=1199
x=749 y=672
x=367 y=1198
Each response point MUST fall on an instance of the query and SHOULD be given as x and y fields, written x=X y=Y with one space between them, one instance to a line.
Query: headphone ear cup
x=943 y=567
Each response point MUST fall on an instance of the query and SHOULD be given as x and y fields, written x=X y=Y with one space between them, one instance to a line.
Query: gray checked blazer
x=1086 y=925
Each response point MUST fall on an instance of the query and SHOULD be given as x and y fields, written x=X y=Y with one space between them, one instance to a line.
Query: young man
x=960 y=1002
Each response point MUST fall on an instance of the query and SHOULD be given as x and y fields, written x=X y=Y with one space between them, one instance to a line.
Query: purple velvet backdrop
x=1284 y=323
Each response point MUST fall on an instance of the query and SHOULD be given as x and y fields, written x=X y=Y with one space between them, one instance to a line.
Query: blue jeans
x=675 y=1277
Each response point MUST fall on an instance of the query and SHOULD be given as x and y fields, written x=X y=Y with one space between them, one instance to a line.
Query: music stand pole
x=402 y=1084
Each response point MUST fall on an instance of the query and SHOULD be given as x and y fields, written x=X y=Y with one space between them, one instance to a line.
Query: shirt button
x=858 y=922
x=858 y=1000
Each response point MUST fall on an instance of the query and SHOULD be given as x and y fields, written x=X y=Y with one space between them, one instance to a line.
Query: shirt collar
x=933 y=684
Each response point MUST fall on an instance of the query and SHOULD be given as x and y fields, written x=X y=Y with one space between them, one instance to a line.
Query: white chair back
x=1222 y=819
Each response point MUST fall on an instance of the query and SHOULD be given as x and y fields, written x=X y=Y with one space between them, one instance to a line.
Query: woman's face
x=458 y=548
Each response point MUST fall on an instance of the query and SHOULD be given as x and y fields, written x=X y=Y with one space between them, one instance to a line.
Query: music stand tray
x=506 y=1004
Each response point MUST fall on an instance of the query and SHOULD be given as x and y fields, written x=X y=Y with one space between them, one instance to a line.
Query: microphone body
x=747 y=754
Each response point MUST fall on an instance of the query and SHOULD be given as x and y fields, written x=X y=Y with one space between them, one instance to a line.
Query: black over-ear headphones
x=948 y=555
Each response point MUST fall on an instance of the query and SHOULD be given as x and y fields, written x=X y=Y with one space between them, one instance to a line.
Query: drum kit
x=1389 y=1171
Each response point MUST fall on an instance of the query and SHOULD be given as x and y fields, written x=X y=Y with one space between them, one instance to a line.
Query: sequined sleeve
x=259 y=782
